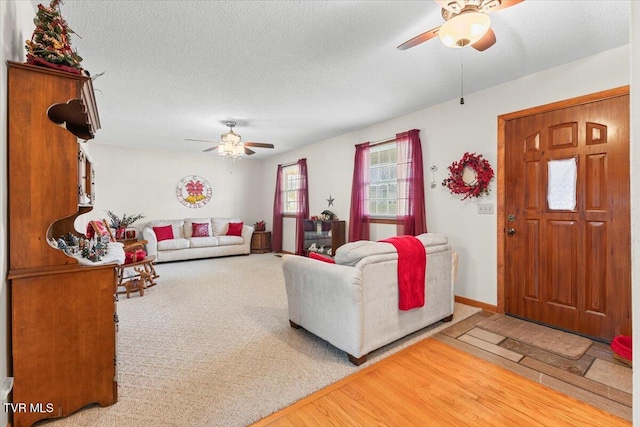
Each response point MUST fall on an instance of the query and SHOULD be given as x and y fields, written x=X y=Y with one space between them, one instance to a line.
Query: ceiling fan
x=466 y=23
x=230 y=145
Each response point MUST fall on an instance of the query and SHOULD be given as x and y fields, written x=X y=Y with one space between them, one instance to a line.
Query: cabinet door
x=63 y=341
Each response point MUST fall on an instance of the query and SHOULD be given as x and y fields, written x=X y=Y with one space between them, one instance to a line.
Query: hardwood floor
x=431 y=383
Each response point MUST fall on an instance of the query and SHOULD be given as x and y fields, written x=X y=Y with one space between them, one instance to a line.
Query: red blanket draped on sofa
x=412 y=267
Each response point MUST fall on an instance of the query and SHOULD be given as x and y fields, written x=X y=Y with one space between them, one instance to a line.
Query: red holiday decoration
x=50 y=44
x=479 y=185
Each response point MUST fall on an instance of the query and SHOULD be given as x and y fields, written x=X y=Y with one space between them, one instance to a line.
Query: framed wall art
x=193 y=191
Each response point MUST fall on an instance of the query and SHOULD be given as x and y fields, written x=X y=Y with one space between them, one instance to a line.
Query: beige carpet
x=211 y=345
x=558 y=342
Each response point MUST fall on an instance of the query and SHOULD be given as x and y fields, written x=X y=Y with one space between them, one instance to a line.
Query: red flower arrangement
x=483 y=174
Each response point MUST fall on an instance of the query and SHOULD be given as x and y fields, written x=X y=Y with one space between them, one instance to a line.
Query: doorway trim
x=501 y=196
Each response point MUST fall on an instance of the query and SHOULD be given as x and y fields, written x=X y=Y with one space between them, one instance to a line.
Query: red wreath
x=483 y=172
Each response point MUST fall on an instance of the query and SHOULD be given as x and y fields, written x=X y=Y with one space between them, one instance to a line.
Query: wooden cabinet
x=261 y=242
x=320 y=236
x=62 y=314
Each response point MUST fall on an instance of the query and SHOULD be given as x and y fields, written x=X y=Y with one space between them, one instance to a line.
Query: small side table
x=261 y=242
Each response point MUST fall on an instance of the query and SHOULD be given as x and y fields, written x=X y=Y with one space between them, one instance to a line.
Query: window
x=291 y=200
x=383 y=183
x=388 y=186
x=292 y=182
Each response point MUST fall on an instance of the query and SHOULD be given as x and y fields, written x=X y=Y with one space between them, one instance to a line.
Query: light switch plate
x=485 y=208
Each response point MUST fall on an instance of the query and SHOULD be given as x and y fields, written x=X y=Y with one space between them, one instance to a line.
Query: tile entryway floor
x=596 y=378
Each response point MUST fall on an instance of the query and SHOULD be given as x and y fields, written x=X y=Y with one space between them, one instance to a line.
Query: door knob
x=511 y=231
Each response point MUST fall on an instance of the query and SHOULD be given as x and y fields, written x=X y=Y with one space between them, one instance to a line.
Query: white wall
x=635 y=200
x=16 y=26
x=447 y=131
x=132 y=181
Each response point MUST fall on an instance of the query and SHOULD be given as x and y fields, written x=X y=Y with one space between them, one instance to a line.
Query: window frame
x=290 y=170
x=382 y=219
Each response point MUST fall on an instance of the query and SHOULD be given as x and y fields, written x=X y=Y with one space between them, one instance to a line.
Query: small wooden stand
x=261 y=242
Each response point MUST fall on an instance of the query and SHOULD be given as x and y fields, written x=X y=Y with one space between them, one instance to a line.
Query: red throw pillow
x=235 y=229
x=324 y=258
x=163 y=233
x=200 y=229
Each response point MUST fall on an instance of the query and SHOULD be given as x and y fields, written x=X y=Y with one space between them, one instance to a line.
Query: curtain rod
x=383 y=141
x=284 y=165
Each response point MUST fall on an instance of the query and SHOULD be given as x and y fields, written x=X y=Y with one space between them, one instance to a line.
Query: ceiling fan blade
x=494 y=5
x=419 y=39
x=197 y=140
x=488 y=40
x=258 y=144
x=215 y=147
x=248 y=151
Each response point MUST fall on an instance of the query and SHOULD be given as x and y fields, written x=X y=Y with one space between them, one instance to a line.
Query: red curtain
x=411 y=216
x=278 y=209
x=359 y=217
x=303 y=205
x=302 y=211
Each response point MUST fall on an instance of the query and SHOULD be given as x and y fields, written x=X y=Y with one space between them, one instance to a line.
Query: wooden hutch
x=63 y=315
x=327 y=234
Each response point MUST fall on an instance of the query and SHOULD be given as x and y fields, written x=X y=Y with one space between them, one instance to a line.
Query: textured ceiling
x=297 y=72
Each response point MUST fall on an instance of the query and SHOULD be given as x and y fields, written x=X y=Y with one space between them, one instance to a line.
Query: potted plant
x=260 y=226
x=119 y=224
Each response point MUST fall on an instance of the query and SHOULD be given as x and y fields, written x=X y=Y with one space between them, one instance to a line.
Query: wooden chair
x=145 y=273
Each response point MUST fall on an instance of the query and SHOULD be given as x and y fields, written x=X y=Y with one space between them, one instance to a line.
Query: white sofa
x=184 y=246
x=353 y=304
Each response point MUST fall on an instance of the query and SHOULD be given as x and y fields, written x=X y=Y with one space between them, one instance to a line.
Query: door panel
x=595 y=191
x=532 y=276
x=562 y=251
x=570 y=267
x=596 y=266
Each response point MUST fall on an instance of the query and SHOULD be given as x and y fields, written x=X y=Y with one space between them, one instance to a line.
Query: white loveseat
x=184 y=246
x=353 y=304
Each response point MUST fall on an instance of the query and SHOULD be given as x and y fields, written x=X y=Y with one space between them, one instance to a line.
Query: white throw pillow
x=221 y=225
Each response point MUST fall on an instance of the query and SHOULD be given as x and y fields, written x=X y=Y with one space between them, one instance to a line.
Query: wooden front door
x=567 y=243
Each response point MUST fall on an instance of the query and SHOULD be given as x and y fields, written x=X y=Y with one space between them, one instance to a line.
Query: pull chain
x=461 y=83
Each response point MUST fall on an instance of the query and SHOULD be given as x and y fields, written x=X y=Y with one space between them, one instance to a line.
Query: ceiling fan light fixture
x=231 y=137
x=464 y=29
x=231 y=150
